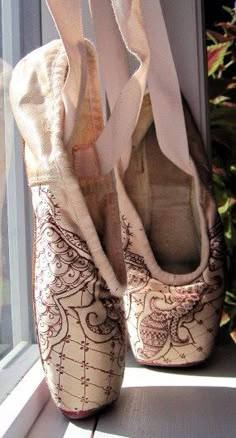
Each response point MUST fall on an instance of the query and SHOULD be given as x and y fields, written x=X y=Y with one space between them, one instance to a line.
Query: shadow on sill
x=177 y=412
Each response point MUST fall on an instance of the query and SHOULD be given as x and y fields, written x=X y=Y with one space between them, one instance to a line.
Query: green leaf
x=228 y=228
x=220 y=99
x=218 y=179
x=231 y=295
x=215 y=56
x=226 y=25
x=229 y=302
x=225 y=318
x=229 y=10
x=233 y=335
x=231 y=86
x=225 y=207
x=216 y=37
x=220 y=197
x=233 y=168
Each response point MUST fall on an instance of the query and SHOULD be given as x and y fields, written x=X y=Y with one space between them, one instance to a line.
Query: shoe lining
x=99 y=191
x=162 y=195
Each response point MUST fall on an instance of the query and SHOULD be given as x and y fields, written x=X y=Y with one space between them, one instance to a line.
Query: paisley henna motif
x=65 y=273
x=77 y=317
x=168 y=318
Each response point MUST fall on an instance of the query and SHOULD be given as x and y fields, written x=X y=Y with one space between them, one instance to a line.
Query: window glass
x=6 y=339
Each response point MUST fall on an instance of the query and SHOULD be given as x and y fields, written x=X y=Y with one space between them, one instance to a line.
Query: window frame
x=18 y=17
x=23 y=405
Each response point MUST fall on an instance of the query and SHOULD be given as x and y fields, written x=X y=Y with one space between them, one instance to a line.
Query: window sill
x=23 y=405
x=15 y=365
x=185 y=403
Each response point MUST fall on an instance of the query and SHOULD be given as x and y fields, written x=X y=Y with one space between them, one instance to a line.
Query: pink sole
x=78 y=415
x=84 y=414
x=190 y=364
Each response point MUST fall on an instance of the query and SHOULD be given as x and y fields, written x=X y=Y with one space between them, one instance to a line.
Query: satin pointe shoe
x=78 y=266
x=172 y=235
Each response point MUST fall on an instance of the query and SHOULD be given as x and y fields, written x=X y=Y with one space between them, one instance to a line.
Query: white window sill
x=15 y=365
x=184 y=403
x=23 y=405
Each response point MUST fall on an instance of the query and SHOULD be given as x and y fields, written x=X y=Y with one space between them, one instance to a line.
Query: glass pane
x=6 y=341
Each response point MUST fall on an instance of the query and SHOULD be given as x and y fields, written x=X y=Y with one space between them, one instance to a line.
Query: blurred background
x=220 y=19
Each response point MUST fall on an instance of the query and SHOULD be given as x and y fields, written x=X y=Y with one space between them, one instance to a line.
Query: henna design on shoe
x=162 y=319
x=79 y=323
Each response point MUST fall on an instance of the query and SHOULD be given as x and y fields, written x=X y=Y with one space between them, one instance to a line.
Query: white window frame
x=21 y=408
x=23 y=405
x=18 y=19
x=15 y=191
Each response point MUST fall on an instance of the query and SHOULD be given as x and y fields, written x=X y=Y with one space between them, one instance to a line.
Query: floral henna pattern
x=80 y=325
x=164 y=321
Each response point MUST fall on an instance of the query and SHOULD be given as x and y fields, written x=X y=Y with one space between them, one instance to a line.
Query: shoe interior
x=164 y=198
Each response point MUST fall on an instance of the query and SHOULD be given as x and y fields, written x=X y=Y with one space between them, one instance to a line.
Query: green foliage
x=216 y=55
x=221 y=51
